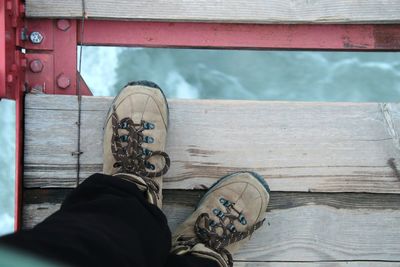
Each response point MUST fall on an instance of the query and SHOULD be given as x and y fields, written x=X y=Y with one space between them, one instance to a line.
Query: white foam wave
x=6 y=224
x=179 y=87
x=98 y=68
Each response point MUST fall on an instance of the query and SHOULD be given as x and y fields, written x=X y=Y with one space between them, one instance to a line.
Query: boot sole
x=141 y=83
x=226 y=177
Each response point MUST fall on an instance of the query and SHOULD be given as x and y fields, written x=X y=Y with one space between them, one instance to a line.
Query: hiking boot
x=135 y=134
x=224 y=219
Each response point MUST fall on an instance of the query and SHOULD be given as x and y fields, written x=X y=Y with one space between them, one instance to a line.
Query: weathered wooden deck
x=332 y=168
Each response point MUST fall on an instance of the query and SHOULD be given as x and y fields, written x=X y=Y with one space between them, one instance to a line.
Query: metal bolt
x=63 y=81
x=36 y=37
x=36 y=65
x=63 y=24
x=10 y=78
x=9 y=5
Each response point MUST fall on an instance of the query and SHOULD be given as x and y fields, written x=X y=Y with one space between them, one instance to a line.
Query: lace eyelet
x=203 y=232
x=219 y=213
x=150 y=166
x=231 y=228
x=116 y=165
x=213 y=223
x=147 y=151
x=123 y=138
x=148 y=139
x=123 y=125
x=225 y=202
x=242 y=219
x=148 y=126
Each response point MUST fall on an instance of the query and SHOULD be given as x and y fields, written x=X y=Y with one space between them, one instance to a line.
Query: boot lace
x=206 y=230
x=132 y=157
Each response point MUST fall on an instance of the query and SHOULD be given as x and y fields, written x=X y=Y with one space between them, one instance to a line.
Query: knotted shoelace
x=206 y=230
x=132 y=157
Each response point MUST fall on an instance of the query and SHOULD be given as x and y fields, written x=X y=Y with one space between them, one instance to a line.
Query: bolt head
x=36 y=37
x=63 y=24
x=36 y=65
x=9 y=5
x=63 y=81
x=10 y=78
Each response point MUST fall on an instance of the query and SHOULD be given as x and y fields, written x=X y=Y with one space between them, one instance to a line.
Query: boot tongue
x=140 y=183
x=200 y=250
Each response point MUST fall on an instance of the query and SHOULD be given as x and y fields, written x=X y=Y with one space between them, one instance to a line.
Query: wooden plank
x=278 y=201
x=257 y=11
x=32 y=214
x=299 y=226
x=37 y=141
x=319 y=264
x=319 y=147
x=391 y=116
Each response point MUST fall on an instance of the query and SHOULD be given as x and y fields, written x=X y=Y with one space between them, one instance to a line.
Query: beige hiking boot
x=224 y=219
x=135 y=134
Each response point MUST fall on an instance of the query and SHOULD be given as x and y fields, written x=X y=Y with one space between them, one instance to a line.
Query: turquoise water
x=227 y=74
x=7 y=159
x=222 y=74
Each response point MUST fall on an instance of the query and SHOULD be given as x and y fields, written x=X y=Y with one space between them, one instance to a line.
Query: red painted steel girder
x=11 y=59
x=243 y=36
x=12 y=66
x=57 y=51
x=52 y=62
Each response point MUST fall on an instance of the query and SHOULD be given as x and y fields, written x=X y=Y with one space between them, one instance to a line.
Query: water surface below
x=221 y=74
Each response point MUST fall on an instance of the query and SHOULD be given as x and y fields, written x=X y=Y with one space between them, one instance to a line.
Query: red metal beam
x=242 y=36
x=12 y=67
x=52 y=62
x=11 y=59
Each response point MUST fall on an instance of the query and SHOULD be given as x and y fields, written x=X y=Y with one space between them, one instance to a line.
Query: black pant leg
x=105 y=221
x=189 y=261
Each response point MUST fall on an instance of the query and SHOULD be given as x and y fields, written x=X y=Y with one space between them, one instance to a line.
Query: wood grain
x=278 y=201
x=257 y=11
x=319 y=264
x=302 y=147
x=391 y=117
x=299 y=226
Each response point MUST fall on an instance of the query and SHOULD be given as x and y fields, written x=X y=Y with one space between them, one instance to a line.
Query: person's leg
x=189 y=260
x=116 y=220
x=106 y=221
